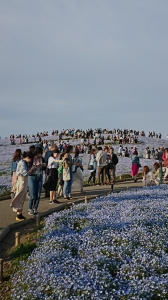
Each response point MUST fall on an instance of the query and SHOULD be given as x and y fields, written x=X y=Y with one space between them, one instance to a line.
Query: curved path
x=7 y=216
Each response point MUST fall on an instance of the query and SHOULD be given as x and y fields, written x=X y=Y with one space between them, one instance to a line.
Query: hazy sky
x=83 y=64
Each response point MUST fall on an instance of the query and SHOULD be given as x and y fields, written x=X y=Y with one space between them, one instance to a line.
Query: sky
x=83 y=64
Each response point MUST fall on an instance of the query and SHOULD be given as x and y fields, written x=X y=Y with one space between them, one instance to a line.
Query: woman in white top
x=53 y=175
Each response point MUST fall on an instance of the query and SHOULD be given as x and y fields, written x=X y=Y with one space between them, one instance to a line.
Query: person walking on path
x=108 y=165
x=21 y=184
x=77 y=169
x=46 y=158
x=16 y=158
x=53 y=169
x=101 y=159
x=60 y=177
x=135 y=165
x=93 y=164
x=35 y=181
x=67 y=172
x=114 y=161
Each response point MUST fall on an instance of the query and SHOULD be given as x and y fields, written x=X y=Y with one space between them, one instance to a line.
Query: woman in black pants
x=93 y=164
x=53 y=172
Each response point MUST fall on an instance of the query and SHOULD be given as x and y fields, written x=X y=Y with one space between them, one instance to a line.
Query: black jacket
x=114 y=159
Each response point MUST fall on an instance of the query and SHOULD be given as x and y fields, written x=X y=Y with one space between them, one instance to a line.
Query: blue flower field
x=115 y=247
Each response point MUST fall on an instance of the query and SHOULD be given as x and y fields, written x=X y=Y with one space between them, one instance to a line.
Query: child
x=148 y=178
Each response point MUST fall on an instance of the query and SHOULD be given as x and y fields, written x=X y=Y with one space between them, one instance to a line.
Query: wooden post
x=1 y=270
x=86 y=199
x=17 y=238
x=37 y=220
x=120 y=177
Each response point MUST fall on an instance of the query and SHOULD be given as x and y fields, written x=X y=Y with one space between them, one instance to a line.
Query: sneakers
x=68 y=198
x=20 y=217
x=55 y=201
x=30 y=212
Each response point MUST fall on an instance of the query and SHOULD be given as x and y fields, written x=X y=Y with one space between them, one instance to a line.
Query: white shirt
x=51 y=163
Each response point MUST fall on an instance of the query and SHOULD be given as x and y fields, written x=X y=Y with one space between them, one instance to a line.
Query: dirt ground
x=6 y=247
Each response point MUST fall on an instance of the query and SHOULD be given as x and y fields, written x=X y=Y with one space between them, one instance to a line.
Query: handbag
x=66 y=174
x=47 y=181
x=48 y=171
x=90 y=167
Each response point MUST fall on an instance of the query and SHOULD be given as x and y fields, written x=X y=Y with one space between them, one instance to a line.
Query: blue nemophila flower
x=115 y=247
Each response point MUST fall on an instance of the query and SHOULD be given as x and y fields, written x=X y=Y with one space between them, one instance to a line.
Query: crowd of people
x=114 y=135
x=62 y=165
x=160 y=173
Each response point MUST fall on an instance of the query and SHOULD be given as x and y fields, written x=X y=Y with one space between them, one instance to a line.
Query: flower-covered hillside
x=112 y=248
x=123 y=167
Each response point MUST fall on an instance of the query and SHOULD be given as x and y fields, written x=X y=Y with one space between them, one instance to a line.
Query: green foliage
x=22 y=251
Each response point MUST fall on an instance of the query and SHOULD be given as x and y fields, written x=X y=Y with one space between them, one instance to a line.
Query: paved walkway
x=7 y=216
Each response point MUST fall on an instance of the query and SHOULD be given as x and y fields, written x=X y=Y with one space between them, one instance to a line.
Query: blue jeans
x=35 y=187
x=68 y=185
